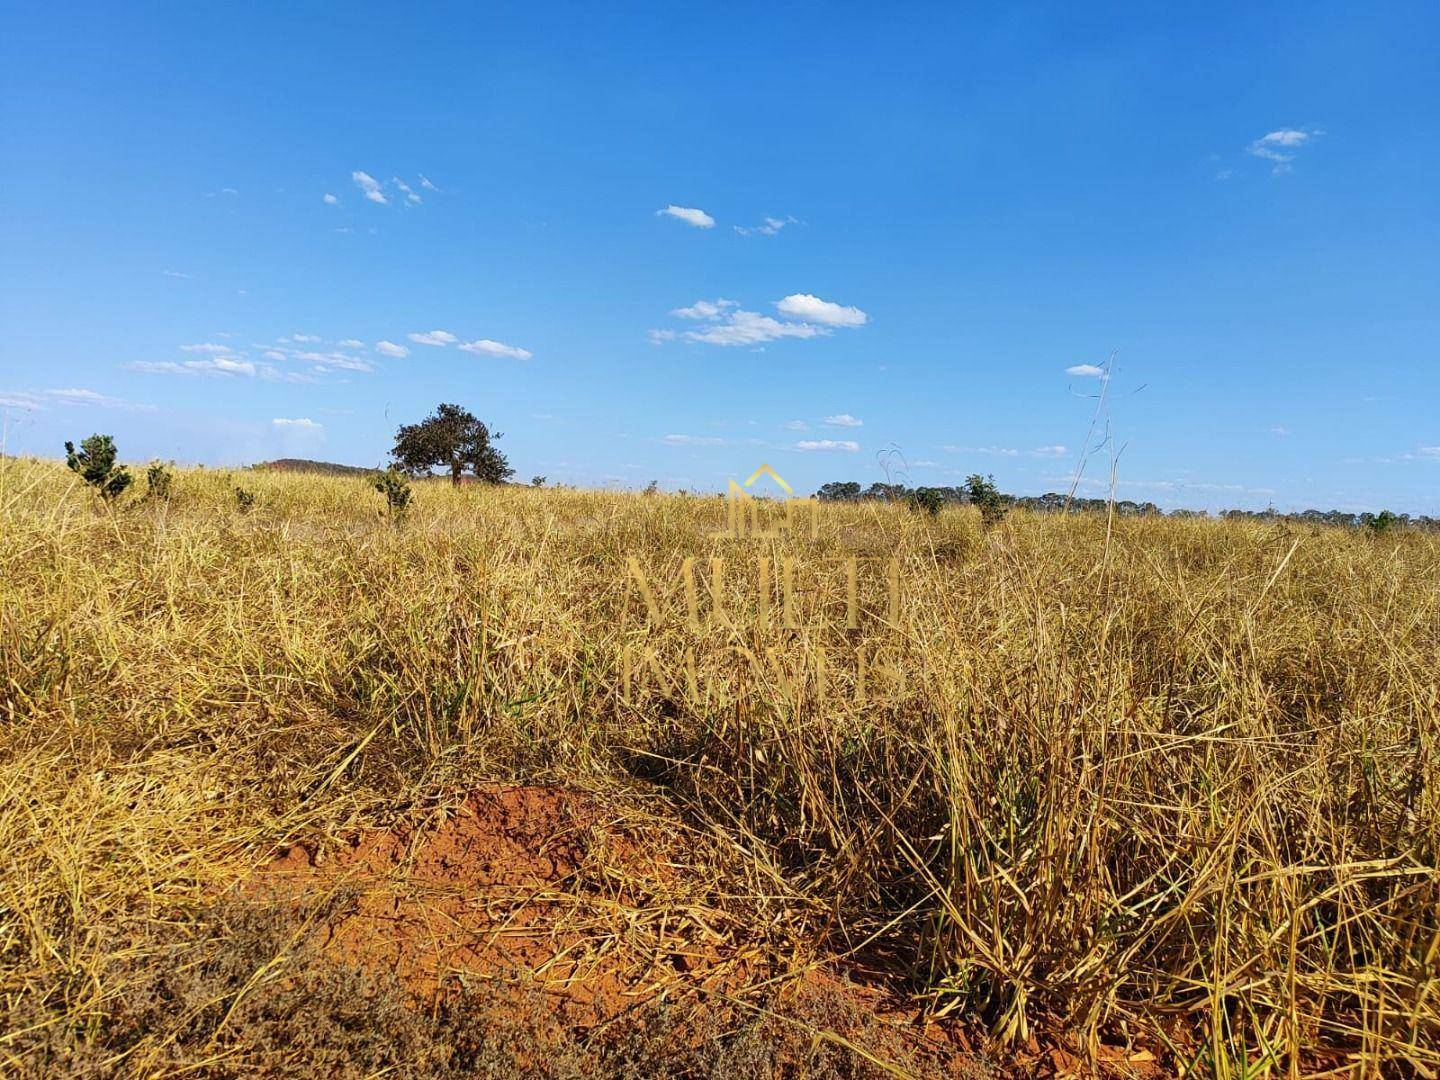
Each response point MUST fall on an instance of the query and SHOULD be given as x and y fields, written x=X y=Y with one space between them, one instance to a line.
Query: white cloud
x=305 y=339
x=742 y=327
x=434 y=337
x=224 y=364
x=797 y=425
x=769 y=227
x=328 y=360
x=486 y=347
x=845 y=445
x=410 y=195
x=207 y=347
x=1279 y=147
x=1432 y=452
x=274 y=354
x=688 y=214
x=1054 y=451
x=844 y=420
x=302 y=422
x=77 y=396
x=176 y=274
x=812 y=309
x=330 y=200
x=704 y=309
x=1281 y=430
x=1085 y=371
x=426 y=184
x=351 y=343
x=732 y=325
x=389 y=348
x=37 y=399
x=370 y=186
x=693 y=440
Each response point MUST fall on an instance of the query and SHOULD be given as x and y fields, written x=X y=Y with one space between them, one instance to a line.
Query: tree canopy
x=452 y=439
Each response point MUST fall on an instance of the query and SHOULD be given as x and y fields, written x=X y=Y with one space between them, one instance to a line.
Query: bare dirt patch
x=533 y=879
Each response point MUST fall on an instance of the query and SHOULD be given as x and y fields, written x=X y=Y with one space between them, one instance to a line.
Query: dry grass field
x=293 y=790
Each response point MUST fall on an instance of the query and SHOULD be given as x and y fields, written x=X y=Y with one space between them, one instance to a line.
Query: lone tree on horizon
x=454 y=439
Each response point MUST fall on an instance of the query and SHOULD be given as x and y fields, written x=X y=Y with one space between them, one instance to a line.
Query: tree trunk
x=455 y=475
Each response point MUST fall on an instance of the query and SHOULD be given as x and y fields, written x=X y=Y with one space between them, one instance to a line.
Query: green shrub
x=244 y=500
x=95 y=462
x=395 y=486
x=158 y=481
x=984 y=494
x=1383 y=522
x=927 y=500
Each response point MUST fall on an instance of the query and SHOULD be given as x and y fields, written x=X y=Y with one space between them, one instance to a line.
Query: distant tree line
x=961 y=495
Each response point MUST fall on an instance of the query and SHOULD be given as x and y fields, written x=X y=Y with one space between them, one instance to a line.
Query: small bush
x=984 y=494
x=95 y=462
x=244 y=500
x=926 y=500
x=652 y=488
x=537 y=481
x=158 y=481
x=1383 y=522
x=395 y=486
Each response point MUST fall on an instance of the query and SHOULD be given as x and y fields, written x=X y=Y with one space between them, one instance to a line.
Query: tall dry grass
x=1174 y=780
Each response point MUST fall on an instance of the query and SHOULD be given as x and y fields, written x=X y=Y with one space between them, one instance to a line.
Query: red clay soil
x=519 y=879
x=545 y=884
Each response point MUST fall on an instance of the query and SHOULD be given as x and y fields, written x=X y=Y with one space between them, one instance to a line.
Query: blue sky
x=679 y=243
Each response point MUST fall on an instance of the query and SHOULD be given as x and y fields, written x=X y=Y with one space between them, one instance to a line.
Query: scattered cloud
x=305 y=339
x=688 y=214
x=176 y=274
x=434 y=337
x=426 y=184
x=389 y=348
x=330 y=200
x=769 y=227
x=797 y=425
x=742 y=327
x=844 y=445
x=350 y=343
x=1086 y=371
x=1054 y=451
x=303 y=423
x=704 y=309
x=844 y=419
x=1281 y=430
x=406 y=189
x=812 y=309
x=1279 y=147
x=207 y=347
x=39 y=399
x=731 y=325
x=369 y=186
x=486 y=347
x=693 y=440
